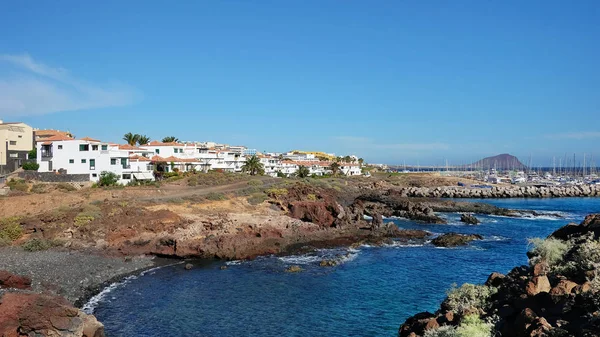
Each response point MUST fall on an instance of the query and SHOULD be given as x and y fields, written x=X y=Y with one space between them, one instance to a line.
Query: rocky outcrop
x=31 y=314
x=469 y=219
x=8 y=280
x=559 y=299
x=455 y=239
x=501 y=191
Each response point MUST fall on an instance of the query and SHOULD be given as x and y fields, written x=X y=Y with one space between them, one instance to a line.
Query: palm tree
x=338 y=159
x=347 y=159
x=170 y=139
x=361 y=161
x=303 y=171
x=335 y=168
x=143 y=139
x=130 y=138
x=253 y=166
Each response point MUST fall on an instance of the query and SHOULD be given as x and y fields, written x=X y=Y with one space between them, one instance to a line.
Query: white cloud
x=576 y=135
x=367 y=143
x=35 y=89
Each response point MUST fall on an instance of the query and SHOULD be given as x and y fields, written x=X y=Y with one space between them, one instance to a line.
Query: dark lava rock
x=469 y=219
x=455 y=239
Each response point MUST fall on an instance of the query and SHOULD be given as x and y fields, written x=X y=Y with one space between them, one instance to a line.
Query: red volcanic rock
x=316 y=212
x=25 y=314
x=8 y=280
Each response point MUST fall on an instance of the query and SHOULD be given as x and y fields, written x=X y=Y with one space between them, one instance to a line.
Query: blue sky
x=391 y=81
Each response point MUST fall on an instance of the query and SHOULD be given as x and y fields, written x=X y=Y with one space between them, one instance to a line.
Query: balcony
x=46 y=153
x=126 y=167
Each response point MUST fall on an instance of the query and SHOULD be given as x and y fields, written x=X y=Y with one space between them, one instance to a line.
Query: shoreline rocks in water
x=557 y=295
x=469 y=219
x=455 y=239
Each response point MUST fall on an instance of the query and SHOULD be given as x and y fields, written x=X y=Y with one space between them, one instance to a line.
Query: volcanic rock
x=455 y=239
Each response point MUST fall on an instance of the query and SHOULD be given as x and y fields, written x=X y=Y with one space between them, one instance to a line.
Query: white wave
x=234 y=262
x=366 y=217
x=495 y=238
x=301 y=259
x=91 y=305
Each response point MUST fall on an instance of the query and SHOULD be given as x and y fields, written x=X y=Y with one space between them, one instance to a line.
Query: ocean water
x=370 y=293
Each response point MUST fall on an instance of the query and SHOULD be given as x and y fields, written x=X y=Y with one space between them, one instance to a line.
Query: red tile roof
x=57 y=138
x=90 y=139
x=139 y=158
x=157 y=143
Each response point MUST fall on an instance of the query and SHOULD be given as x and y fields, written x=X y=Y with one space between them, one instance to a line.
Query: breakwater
x=500 y=191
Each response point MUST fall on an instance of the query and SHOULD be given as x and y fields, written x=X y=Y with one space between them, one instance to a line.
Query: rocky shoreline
x=501 y=191
x=558 y=294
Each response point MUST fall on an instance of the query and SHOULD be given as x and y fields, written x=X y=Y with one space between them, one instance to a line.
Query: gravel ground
x=73 y=275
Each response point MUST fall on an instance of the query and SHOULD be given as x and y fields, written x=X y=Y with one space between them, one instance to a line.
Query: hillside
x=500 y=162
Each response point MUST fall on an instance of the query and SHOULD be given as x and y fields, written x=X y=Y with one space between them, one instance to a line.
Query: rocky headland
x=501 y=191
x=558 y=294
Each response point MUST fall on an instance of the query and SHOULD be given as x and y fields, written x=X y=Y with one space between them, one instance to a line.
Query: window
x=60 y=147
x=13 y=142
x=157 y=151
x=92 y=164
x=20 y=136
x=126 y=176
x=83 y=161
x=104 y=147
x=94 y=175
x=94 y=147
x=84 y=147
x=113 y=161
x=71 y=161
x=14 y=155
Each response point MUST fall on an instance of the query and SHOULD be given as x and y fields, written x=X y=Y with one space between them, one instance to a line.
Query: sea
x=370 y=292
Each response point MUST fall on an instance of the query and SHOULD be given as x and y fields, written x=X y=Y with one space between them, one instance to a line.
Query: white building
x=91 y=156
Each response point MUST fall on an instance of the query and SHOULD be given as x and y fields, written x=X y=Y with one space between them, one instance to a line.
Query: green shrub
x=38 y=188
x=257 y=198
x=193 y=181
x=443 y=331
x=108 y=179
x=35 y=245
x=10 y=229
x=281 y=174
x=4 y=242
x=168 y=175
x=18 y=185
x=255 y=183
x=473 y=326
x=88 y=214
x=216 y=196
x=30 y=166
x=276 y=192
x=311 y=197
x=549 y=250
x=66 y=187
x=468 y=296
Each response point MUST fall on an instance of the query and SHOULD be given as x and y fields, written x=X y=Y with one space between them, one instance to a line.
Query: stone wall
x=52 y=177
x=508 y=191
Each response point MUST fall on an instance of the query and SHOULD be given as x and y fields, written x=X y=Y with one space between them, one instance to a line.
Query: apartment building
x=16 y=140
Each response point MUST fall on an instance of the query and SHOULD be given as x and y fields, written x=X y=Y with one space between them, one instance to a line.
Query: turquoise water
x=370 y=294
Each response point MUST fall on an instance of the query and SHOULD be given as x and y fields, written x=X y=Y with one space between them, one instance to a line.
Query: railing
x=126 y=167
x=46 y=154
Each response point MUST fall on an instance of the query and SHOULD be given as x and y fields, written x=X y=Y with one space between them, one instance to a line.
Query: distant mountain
x=500 y=162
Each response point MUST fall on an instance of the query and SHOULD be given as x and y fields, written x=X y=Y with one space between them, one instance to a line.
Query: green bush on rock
x=443 y=331
x=549 y=250
x=473 y=326
x=468 y=296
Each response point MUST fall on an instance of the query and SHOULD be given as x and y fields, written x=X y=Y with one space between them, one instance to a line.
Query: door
x=50 y=166
x=92 y=164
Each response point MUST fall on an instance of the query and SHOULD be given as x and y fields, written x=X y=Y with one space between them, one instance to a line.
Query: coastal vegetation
x=108 y=179
x=253 y=166
x=550 y=251
x=170 y=139
x=303 y=172
x=30 y=166
x=10 y=230
x=468 y=296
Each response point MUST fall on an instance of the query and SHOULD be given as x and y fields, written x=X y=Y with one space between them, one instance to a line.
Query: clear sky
x=391 y=81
